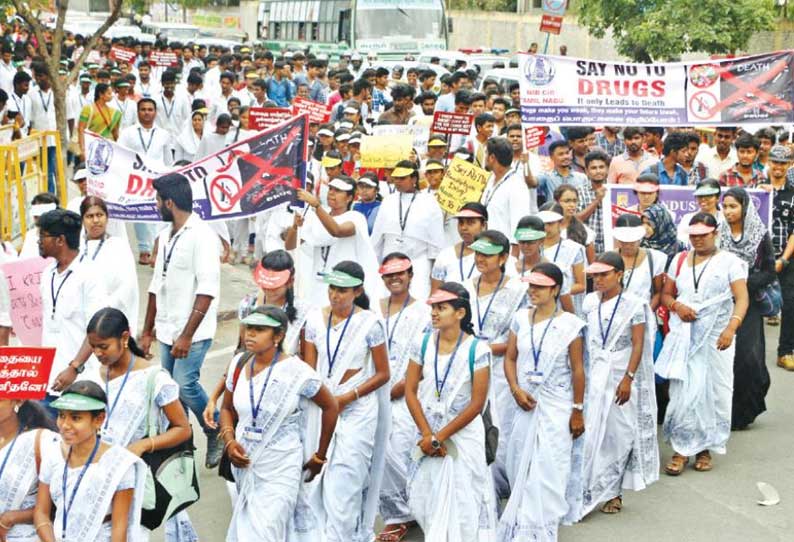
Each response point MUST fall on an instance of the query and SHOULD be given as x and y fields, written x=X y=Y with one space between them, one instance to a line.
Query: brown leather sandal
x=676 y=465
x=703 y=461
x=612 y=506
x=396 y=534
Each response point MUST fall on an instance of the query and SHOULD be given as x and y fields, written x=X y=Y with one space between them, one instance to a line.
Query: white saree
x=116 y=470
x=452 y=498
x=698 y=417
x=401 y=332
x=267 y=490
x=620 y=446
x=344 y=498
x=539 y=449
x=19 y=483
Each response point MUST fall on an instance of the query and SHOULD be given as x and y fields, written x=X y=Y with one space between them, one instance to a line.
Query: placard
x=384 y=151
x=25 y=372
x=534 y=137
x=551 y=24
x=463 y=182
x=23 y=278
x=122 y=54
x=165 y=59
x=419 y=134
x=318 y=113
x=262 y=118
x=451 y=123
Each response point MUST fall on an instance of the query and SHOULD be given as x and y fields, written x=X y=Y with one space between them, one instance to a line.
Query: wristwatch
x=630 y=374
x=434 y=443
x=78 y=369
x=578 y=406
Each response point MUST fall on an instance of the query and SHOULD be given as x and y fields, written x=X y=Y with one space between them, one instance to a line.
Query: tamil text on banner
x=23 y=278
x=262 y=118
x=24 y=372
x=164 y=59
x=318 y=113
x=451 y=123
x=463 y=182
x=243 y=179
x=379 y=151
x=571 y=91
x=420 y=134
x=678 y=200
x=123 y=54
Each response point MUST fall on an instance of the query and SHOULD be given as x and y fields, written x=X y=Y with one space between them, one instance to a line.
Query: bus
x=392 y=28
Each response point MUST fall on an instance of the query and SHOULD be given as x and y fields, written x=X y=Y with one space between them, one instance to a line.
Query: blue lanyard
x=556 y=252
x=170 y=251
x=121 y=389
x=98 y=248
x=255 y=407
x=390 y=334
x=55 y=295
x=481 y=319
x=5 y=459
x=151 y=138
x=45 y=106
x=67 y=503
x=536 y=353
x=605 y=336
x=332 y=359
x=460 y=265
x=440 y=384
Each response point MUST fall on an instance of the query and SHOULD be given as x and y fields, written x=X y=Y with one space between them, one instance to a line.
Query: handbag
x=491 y=431
x=171 y=478
x=769 y=299
x=225 y=466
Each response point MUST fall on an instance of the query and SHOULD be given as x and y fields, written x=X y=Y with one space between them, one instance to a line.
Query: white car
x=503 y=76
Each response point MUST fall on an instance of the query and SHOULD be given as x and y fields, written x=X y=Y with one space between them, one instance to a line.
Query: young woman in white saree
x=266 y=394
x=450 y=487
x=346 y=344
x=568 y=255
x=620 y=446
x=26 y=431
x=544 y=366
x=96 y=488
x=406 y=319
x=128 y=379
x=707 y=300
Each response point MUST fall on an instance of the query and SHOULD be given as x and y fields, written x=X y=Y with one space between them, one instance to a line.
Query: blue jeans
x=186 y=372
x=51 y=169
x=144 y=231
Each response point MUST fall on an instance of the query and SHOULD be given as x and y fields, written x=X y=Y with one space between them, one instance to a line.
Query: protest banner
x=262 y=118
x=572 y=91
x=318 y=113
x=678 y=200
x=463 y=182
x=241 y=180
x=23 y=278
x=164 y=59
x=451 y=123
x=378 y=151
x=534 y=137
x=420 y=134
x=123 y=54
x=24 y=372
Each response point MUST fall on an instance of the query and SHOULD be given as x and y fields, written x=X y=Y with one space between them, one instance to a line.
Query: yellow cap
x=330 y=161
x=432 y=167
x=402 y=172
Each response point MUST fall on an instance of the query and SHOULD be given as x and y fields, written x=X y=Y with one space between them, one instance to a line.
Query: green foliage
x=485 y=5
x=645 y=30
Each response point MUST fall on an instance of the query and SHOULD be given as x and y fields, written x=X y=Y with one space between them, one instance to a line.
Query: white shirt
x=128 y=109
x=23 y=106
x=172 y=114
x=76 y=295
x=507 y=202
x=42 y=115
x=147 y=90
x=220 y=104
x=193 y=269
x=716 y=166
x=154 y=142
x=7 y=73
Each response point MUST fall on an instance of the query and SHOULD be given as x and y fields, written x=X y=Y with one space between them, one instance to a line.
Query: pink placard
x=23 y=278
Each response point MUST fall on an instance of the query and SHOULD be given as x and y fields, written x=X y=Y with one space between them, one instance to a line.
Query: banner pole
x=546 y=45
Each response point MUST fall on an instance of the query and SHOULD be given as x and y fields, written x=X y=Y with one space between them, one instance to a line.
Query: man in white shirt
x=70 y=295
x=183 y=306
x=7 y=69
x=506 y=194
x=42 y=117
x=147 y=139
x=145 y=86
x=174 y=108
x=125 y=105
x=722 y=156
x=220 y=101
x=19 y=102
x=82 y=94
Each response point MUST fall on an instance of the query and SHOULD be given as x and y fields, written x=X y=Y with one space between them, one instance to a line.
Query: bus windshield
x=412 y=19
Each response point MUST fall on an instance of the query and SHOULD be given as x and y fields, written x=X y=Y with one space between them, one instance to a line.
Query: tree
x=51 y=53
x=648 y=30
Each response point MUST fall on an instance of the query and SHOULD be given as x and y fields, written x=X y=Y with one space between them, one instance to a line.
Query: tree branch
x=89 y=46
x=34 y=24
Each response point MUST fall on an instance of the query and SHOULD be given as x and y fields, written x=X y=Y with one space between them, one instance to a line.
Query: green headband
x=528 y=234
x=486 y=247
x=77 y=403
x=707 y=191
x=259 y=319
x=342 y=280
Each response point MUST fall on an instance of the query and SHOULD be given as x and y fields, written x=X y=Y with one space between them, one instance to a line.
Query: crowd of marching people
x=488 y=374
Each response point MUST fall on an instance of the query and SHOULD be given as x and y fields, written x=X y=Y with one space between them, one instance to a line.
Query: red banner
x=318 y=113
x=122 y=54
x=262 y=118
x=451 y=123
x=551 y=24
x=534 y=137
x=165 y=59
x=24 y=372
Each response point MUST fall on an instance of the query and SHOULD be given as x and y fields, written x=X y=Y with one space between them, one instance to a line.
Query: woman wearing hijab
x=186 y=145
x=745 y=235
x=661 y=233
x=707 y=299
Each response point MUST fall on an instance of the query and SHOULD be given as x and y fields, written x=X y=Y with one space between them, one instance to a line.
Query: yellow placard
x=379 y=151
x=463 y=182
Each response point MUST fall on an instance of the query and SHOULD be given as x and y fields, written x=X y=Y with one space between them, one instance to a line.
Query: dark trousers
x=786 y=344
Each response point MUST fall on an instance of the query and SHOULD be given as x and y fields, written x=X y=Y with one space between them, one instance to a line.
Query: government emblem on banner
x=539 y=70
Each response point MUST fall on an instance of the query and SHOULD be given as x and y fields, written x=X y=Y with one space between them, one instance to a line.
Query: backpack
x=491 y=431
